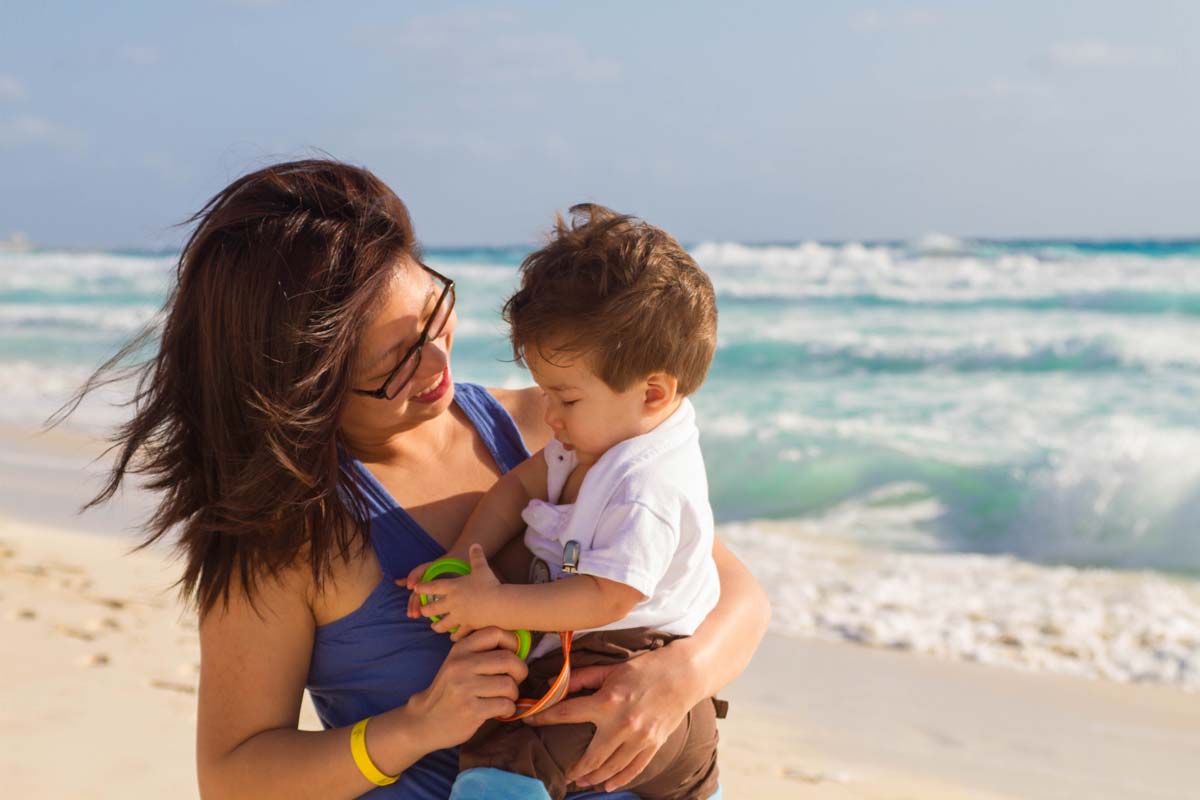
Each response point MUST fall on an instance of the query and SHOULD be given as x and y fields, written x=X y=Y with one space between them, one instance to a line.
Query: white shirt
x=642 y=518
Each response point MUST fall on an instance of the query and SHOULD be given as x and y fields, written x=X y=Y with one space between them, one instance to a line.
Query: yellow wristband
x=358 y=749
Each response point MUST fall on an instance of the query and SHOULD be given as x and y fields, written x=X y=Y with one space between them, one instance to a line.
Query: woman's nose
x=436 y=354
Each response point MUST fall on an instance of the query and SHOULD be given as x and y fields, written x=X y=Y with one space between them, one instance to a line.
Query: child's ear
x=661 y=390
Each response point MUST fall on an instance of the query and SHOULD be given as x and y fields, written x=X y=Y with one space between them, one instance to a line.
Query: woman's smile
x=435 y=391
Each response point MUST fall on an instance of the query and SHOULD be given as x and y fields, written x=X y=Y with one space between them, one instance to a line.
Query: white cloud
x=494 y=48
x=1005 y=88
x=867 y=21
x=443 y=30
x=1094 y=53
x=11 y=88
x=919 y=18
x=142 y=55
x=872 y=20
x=29 y=130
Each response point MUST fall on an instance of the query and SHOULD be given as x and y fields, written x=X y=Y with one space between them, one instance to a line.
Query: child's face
x=585 y=413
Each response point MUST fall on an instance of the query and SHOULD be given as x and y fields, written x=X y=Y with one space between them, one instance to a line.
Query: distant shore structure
x=16 y=243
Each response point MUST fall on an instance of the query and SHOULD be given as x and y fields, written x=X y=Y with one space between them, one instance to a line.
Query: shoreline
x=1129 y=626
x=47 y=476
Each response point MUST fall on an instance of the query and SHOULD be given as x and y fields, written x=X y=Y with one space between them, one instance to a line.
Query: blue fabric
x=375 y=658
x=487 y=783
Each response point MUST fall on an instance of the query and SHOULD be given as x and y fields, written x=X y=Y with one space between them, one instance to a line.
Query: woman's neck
x=409 y=446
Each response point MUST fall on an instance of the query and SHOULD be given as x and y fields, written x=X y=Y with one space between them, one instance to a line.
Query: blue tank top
x=375 y=658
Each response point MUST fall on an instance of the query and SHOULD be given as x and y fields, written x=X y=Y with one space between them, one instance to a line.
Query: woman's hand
x=477 y=681
x=414 y=599
x=634 y=709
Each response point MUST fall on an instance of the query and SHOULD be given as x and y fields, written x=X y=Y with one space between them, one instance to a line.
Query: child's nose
x=552 y=419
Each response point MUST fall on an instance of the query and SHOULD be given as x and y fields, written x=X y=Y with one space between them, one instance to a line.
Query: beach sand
x=99 y=668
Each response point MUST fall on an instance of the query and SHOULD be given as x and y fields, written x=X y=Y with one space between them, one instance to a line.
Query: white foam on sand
x=1132 y=627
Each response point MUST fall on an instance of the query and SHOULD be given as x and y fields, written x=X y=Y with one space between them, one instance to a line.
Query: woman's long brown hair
x=235 y=418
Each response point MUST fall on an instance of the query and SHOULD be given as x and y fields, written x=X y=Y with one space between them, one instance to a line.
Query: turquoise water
x=1028 y=397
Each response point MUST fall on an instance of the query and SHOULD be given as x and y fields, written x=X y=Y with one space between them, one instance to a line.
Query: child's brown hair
x=621 y=292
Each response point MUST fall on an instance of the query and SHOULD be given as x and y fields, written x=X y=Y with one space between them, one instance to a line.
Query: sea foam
x=1135 y=627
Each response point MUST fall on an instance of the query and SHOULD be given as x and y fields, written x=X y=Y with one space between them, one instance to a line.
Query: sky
x=759 y=122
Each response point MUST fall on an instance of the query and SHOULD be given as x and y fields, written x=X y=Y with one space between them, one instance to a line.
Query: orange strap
x=527 y=706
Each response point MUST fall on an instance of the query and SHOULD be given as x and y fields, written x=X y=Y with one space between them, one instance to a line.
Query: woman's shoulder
x=282 y=601
x=295 y=593
x=527 y=407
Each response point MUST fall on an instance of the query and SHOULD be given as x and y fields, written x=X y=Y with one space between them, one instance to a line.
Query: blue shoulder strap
x=400 y=543
x=494 y=424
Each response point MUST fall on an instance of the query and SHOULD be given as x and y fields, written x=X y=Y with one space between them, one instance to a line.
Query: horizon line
x=24 y=245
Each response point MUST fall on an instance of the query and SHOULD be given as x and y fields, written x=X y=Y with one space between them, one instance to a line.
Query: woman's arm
x=725 y=642
x=253 y=665
x=638 y=703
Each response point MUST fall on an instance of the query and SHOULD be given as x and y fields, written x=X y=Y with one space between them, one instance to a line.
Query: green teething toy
x=456 y=566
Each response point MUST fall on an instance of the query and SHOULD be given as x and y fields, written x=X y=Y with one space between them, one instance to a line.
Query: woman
x=302 y=425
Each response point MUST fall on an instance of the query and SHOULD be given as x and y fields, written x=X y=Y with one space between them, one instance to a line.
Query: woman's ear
x=661 y=391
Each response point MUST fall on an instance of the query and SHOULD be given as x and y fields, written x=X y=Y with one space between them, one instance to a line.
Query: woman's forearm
x=723 y=645
x=294 y=764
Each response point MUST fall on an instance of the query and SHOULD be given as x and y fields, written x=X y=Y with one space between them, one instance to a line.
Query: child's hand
x=462 y=603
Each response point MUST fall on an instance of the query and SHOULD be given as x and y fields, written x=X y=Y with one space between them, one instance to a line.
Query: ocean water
x=1034 y=402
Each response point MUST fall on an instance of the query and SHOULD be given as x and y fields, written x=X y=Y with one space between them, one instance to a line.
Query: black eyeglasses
x=407 y=367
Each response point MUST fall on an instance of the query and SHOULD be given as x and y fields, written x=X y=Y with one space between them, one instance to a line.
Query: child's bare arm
x=480 y=600
x=496 y=519
x=581 y=601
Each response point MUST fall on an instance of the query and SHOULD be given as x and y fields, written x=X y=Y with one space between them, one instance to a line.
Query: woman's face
x=411 y=297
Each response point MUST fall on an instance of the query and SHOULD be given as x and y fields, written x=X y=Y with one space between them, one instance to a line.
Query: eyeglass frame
x=422 y=340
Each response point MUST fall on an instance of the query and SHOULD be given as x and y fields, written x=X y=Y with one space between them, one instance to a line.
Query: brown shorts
x=684 y=767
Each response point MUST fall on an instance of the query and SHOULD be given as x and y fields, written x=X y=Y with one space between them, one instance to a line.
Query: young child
x=617 y=325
